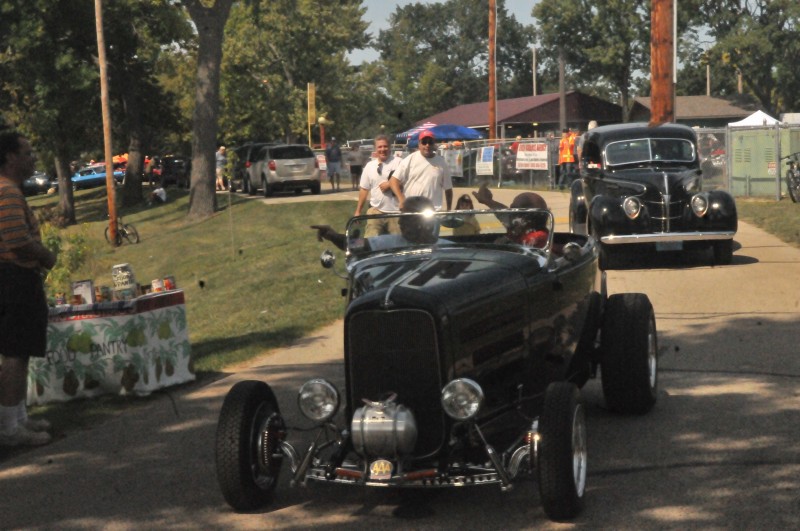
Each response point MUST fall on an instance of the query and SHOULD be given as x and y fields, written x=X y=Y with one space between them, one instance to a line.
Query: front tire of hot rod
x=248 y=454
x=562 y=455
x=629 y=359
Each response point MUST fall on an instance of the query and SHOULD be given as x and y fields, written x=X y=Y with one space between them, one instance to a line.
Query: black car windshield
x=515 y=229
x=648 y=150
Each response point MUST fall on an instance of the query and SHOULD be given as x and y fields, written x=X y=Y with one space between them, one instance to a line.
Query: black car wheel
x=629 y=359
x=315 y=188
x=266 y=188
x=723 y=252
x=247 y=186
x=562 y=457
x=248 y=454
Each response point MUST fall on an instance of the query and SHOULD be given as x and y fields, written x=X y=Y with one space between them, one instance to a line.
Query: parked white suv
x=284 y=167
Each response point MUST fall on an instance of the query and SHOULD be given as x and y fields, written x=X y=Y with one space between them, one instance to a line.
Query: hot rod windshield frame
x=516 y=229
x=646 y=150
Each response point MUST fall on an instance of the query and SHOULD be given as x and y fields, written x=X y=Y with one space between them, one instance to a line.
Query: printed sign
x=485 y=163
x=323 y=162
x=532 y=156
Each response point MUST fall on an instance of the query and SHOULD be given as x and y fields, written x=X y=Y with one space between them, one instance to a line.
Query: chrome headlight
x=462 y=399
x=699 y=205
x=318 y=400
x=632 y=207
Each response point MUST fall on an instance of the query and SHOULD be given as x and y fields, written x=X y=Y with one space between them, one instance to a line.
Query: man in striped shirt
x=23 y=307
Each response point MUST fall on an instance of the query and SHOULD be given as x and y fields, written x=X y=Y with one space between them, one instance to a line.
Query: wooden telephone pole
x=662 y=88
x=109 y=155
x=492 y=79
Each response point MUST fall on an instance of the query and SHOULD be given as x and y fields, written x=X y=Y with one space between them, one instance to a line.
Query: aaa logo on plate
x=380 y=470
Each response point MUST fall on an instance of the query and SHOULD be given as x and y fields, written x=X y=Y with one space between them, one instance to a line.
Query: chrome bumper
x=619 y=239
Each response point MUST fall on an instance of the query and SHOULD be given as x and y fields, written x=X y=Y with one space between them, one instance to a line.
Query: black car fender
x=577 y=208
x=722 y=207
x=605 y=213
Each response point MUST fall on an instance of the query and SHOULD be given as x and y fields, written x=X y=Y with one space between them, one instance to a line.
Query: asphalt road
x=719 y=451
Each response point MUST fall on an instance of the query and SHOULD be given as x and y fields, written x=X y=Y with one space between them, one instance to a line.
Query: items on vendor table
x=83 y=292
x=123 y=277
x=169 y=283
x=157 y=285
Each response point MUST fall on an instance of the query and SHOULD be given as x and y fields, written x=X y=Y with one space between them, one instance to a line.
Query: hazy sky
x=378 y=12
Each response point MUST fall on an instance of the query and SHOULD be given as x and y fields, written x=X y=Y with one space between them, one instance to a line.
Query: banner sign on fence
x=532 y=156
x=454 y=162
x=485 y=164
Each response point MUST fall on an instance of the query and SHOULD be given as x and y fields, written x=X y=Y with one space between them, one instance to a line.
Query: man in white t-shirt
x=375 y=185
x=423 y=173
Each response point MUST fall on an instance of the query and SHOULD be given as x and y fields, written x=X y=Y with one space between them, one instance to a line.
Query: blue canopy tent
x=445 y=133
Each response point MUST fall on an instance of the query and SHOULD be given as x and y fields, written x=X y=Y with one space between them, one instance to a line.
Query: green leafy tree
x=435 y=57
x=759 y=39
x=273 y=51
x=49 y=77
x=605 y=44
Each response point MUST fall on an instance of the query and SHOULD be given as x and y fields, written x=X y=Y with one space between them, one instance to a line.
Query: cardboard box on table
x=134 y=346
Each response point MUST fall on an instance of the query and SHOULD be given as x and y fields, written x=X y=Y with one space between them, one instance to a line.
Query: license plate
x=380 y=470
x=669 y=246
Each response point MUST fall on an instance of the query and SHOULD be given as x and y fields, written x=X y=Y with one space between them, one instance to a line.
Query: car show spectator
x=470 y=226
x=23 y=307
x=222 y=163
x=374 y=185
x=424 y=173
x=333 y=157
x=524 y=229
x=566 y=157
x=355 y=161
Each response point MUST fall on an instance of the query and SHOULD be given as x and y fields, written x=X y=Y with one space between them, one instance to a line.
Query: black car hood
x=458 y=276
x=665 y=180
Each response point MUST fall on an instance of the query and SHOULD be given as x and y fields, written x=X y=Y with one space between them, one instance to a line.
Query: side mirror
x=327 y=259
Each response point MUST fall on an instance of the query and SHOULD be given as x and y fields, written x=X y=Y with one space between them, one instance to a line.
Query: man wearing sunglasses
x=424 y=173
x=375 y=185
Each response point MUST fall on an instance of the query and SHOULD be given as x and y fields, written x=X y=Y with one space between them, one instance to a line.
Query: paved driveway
x=720 y=449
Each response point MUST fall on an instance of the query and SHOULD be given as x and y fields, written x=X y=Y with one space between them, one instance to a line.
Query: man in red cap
x=423 y=173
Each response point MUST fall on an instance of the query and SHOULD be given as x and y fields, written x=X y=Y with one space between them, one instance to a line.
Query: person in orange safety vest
x=566 y=158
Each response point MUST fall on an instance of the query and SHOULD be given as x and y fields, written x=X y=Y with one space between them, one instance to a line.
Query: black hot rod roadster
x=463 y=361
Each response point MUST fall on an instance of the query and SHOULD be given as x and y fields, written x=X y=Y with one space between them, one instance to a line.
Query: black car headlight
x=318 y=400
x=462 y=399
x=632 y=207
x=699 y=204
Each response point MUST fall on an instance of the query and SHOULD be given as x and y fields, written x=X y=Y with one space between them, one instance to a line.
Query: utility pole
x=562 y=90
x=662 y=88
x=110 y=184
x=533 y=68
x=492 y=73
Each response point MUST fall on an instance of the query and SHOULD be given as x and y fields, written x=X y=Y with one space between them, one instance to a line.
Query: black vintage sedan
x=642 y=185
x=464 y=355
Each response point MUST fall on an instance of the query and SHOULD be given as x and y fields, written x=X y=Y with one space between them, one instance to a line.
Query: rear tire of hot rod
x=562 y=452
x=629 y=358
x=248 y=472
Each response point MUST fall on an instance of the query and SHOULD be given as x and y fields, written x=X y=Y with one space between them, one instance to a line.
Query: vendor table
x=134 y=346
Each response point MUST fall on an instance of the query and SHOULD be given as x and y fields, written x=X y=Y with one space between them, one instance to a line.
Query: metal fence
x=747 y=161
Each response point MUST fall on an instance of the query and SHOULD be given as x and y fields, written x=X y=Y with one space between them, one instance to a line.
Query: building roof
x=699 y=107
x=542 y=108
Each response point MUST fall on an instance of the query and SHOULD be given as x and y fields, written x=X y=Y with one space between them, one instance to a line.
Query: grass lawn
x=250 y=273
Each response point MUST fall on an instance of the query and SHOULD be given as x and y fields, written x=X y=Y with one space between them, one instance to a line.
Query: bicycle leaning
x=124 y=230
x=793 y=176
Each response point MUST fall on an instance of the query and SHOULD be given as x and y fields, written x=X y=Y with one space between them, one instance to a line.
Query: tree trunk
x=66 y=201
x=210 y=23
x=132 y=189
